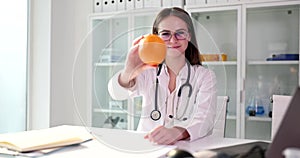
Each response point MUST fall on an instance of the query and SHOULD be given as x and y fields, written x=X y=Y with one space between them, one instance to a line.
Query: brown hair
x=191 y=53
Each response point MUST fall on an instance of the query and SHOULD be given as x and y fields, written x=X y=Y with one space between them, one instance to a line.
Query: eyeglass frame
x=174 y=34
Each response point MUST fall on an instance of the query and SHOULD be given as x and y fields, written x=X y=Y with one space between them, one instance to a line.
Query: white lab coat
x=200 y=112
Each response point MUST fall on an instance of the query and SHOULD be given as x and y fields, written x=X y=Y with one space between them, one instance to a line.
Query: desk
x=123 y=143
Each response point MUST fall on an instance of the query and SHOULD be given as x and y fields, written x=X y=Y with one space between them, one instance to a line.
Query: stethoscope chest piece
x=155 y=115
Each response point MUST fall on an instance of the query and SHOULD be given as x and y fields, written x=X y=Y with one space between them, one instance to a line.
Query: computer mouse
x=179 y=153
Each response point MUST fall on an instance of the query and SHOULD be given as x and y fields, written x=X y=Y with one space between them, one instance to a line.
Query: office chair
x=219 y=128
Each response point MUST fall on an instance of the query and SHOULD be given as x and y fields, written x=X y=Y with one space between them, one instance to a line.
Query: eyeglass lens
x=179 y=35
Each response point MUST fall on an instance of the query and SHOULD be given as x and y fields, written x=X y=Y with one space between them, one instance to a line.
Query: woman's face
x=174 y=32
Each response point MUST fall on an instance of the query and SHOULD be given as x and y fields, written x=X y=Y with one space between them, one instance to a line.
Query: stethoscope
x=155 y=114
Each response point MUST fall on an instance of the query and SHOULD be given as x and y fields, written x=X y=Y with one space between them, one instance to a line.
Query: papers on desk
x=114 y=143
x=104 y=143
x=44 y=140
x=126 y=140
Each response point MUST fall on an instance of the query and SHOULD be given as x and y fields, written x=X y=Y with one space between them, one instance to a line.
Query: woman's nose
x=173 y=38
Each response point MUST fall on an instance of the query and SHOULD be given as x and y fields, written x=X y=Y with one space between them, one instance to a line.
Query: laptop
x=288 y=135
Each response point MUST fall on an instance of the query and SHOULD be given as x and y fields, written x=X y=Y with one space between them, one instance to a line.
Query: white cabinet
x=269 y=29
x=251 y=33
x=248 y=32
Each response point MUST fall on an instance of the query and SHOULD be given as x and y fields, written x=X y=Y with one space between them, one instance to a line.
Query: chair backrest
x=220 y=122
x=280 y=105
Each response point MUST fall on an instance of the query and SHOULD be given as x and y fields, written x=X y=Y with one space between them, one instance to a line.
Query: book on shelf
x=44 y=139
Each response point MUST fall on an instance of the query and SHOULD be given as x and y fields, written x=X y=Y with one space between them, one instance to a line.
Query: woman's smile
x=174 y=47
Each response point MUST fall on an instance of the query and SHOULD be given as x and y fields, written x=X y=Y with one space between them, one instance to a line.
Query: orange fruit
x=152 y=50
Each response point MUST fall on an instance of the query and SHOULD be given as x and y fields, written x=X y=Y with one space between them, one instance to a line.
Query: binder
x=211 y=1
x=139 y=4
x=121 y=5
x=152 y=3
x=109 y=5
x=231 y=1
x=97 y=6
x=147 y=3
x=222 y=1
x=167 y=3
x=177 y=3
x=129 y=4
x=195 y=2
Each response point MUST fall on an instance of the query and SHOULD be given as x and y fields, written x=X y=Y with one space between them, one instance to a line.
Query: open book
x=54 y=137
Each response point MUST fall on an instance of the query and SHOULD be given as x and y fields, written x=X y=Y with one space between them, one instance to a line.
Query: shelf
x=111 y=111
x=286 y=62
x=220 y=63
x=109 y=64
x=259 y=118
x=231 y=117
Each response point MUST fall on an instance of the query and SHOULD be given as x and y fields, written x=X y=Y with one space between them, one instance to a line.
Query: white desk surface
x=122 y=143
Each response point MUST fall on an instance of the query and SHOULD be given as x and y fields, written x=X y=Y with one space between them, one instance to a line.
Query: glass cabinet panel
x=217 y=34
x=112 y=37
x=272 y=65
x=109 y=48
x=142 y=25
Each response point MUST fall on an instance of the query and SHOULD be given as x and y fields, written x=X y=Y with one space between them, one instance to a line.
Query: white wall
x=69 y=25
x=57 y=29
x=39 y=64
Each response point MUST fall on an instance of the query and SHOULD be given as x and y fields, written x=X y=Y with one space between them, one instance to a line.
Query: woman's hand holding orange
x=133 y=66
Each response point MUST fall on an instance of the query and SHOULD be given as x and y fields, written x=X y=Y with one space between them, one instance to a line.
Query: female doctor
x=179 y=96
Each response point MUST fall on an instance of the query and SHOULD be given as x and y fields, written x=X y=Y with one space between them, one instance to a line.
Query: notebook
x=49 y=138
x=288 y=135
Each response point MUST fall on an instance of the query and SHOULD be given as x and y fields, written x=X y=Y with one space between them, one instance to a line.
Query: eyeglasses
x=179 y=35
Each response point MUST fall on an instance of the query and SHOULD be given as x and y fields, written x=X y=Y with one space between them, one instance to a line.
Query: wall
x=39 y=64
x=57 y=29
x=69 y=25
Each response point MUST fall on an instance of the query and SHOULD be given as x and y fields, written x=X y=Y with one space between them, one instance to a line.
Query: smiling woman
x=13 y=66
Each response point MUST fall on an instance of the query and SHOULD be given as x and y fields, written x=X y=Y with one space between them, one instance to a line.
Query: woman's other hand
x=167 y=136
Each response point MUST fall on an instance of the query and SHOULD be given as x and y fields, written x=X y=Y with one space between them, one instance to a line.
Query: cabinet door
x=218 y=32
x=142 y=25
x=109 y=48
x=111 y=39
x=272 y=44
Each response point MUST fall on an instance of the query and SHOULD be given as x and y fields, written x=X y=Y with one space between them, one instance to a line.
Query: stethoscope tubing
x=155 y=114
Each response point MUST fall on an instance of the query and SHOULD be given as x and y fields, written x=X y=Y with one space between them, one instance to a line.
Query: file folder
x=129 y=4
x=121 y=5
x=167 y=3
x=152 y=3
x=109 y=5
x=177 y=3
x=222 y=1
x=211 y=1
x=139 y=4
x=195 y=2
x=97 y=6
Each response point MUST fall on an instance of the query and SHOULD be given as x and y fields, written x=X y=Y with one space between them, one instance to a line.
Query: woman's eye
x=180 y=33
x=165 y=34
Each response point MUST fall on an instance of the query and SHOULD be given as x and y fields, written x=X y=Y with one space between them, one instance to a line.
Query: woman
x=166 y=116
